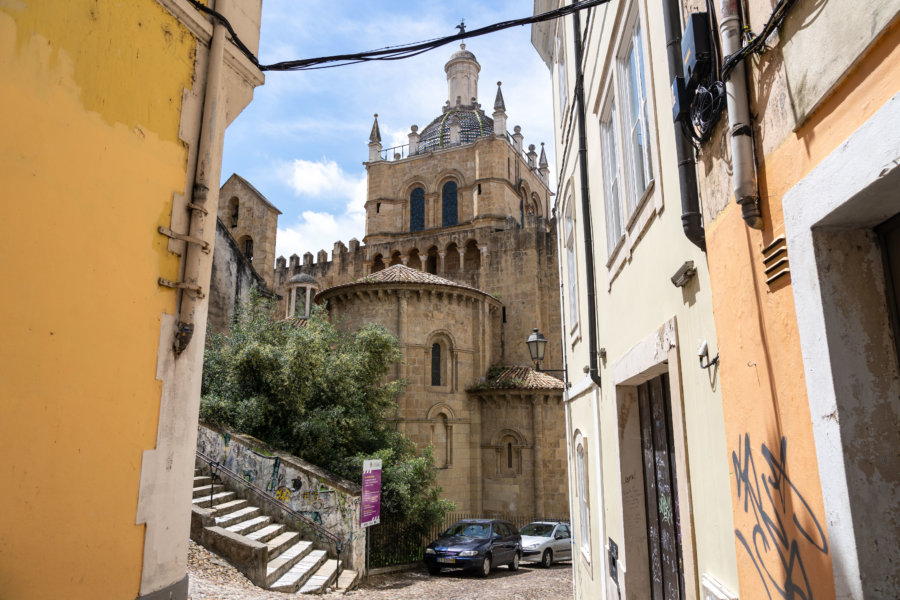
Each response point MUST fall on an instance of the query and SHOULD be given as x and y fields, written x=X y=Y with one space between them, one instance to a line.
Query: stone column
x=537 y=426
x=402 y=301
x=404 y=259
x=441 y=255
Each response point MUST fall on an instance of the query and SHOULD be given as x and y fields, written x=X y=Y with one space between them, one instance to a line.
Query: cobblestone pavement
x=212 y=578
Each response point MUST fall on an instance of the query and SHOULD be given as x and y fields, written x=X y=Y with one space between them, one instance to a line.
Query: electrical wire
x=393 y=52
x=757 y=43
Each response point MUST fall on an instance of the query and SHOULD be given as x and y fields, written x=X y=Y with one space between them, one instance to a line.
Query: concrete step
x=202 y=480
x=250 y=525
x=204 y=490
x=324 y=576
x=287 y=560
x=279 y=544
x=220 y=498
x=267 y=533
x=225 y=508
x=297 y=574
x=347 y=580
x=243 y=514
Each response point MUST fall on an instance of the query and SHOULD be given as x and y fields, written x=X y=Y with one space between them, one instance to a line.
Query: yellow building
x=111 y=126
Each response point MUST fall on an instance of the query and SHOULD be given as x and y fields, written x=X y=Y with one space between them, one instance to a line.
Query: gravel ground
x=212 y=578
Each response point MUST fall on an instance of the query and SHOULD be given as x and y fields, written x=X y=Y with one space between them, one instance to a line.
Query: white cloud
x=319 y=230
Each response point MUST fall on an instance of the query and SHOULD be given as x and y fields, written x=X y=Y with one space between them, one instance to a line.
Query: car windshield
x=537 y=529
x=472 y=530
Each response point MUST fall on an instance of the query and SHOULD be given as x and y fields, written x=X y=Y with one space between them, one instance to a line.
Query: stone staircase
x=270 y=554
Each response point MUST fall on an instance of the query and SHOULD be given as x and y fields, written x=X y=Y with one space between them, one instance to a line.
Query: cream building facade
x=459 y=262
x=649 y=475
x=780 y=453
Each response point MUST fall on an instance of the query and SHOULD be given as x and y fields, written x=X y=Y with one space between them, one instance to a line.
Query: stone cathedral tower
x=459 y=261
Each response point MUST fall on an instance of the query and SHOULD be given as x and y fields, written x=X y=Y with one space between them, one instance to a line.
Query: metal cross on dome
x=462 y=26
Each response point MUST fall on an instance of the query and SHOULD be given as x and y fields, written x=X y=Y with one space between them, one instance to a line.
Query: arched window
x=449 y=211
x=582 y=490
x=378 y=263
x=414 y=261
x=417 y=210
x=396 y=259
x=431 y=262
x=509 y=454
x=451 y=260
x=473 y=256
x=246 y=245
x=436 y=364
x=442 y=442
x=235 y=211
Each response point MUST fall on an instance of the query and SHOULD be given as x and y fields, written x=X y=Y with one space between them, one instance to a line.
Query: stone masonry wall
x=327 y=499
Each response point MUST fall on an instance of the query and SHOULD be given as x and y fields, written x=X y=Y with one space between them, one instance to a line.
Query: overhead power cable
x=757 y=43
x=393 y=52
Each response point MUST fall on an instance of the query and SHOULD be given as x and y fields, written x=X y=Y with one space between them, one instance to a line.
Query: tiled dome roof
x=473 y=123
x=302 y=278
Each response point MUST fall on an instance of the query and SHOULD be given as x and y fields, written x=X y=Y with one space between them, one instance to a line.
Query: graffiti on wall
x=784 y=529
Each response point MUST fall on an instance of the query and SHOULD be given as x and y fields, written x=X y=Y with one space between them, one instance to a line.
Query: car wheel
x=547 y=558
x=433 y=569
x=514 y=565
x=485 y=567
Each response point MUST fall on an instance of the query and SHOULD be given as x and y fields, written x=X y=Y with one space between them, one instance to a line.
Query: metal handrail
x=402 y=151
x=216 y=466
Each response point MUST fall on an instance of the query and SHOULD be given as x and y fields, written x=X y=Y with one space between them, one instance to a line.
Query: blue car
x=476 y=544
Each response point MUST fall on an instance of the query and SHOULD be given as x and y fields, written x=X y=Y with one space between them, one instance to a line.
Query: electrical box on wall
x=695 y=49
x=681 y=104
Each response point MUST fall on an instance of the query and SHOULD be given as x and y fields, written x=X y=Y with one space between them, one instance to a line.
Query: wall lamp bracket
x=684 y=274
x=703 y=355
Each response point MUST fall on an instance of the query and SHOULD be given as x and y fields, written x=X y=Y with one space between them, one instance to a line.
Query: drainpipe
x=593 y=369
x=691 y=219
x=743 y=160
x=192 y=292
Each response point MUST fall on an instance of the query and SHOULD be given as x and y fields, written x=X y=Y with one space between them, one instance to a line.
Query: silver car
x=546 y=541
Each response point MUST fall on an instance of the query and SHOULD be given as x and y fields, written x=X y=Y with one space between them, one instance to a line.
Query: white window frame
x=562 y=81
x=635 y=207
x=569 y=240
x=582 y=491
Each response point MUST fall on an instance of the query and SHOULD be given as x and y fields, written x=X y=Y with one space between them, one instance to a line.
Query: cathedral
x=459 y=261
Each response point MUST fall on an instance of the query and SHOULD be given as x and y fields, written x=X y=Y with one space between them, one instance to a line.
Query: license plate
x=444 y=559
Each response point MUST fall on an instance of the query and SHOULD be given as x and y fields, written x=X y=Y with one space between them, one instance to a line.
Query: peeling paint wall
x=100 y=118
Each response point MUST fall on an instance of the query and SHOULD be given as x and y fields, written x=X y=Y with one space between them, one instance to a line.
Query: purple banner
x=370 y=512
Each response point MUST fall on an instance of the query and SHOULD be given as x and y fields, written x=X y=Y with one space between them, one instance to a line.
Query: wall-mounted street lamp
x=537 y=345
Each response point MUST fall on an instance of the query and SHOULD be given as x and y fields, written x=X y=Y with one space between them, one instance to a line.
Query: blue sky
x=303 y=139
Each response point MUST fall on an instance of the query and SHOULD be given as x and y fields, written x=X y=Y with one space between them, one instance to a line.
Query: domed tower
x=462 y=170
x=462 y=120
x=460 y=263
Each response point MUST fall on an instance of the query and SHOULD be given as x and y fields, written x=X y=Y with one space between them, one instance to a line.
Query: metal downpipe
x=691 y=218
x=593 y=369
x=190 y=300
x=746 y=192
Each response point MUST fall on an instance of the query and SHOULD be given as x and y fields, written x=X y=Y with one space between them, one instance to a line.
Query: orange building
x=805 y=304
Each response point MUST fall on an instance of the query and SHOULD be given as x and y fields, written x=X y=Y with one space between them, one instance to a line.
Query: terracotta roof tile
x=521 y=378
x=404 y=274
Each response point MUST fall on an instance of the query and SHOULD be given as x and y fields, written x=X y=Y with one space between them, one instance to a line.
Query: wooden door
x=660 y=491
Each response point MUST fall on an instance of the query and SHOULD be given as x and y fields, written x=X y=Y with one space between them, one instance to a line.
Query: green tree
x=323 y=395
